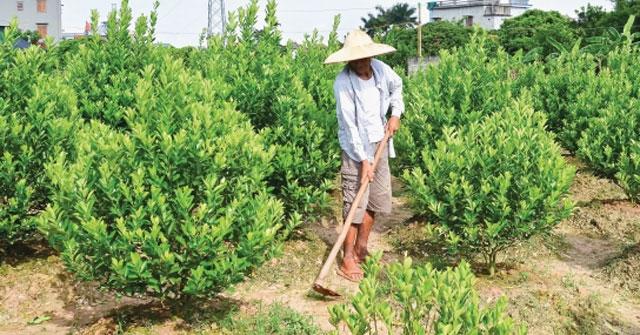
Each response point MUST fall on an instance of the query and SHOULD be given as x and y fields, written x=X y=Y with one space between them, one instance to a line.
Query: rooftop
x=472 y=3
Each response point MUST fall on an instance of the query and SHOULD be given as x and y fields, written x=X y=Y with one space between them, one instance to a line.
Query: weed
x=569 y=282
x=587 y=316
x=277 y=319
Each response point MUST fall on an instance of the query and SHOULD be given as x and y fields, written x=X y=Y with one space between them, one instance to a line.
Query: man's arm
x=396 y=100
x=395 y=91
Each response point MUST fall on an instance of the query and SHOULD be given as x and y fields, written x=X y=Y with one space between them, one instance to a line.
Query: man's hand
x=366 y=171
x=393 y=125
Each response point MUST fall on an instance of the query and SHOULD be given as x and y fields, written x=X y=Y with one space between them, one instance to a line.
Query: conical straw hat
x=358 y=45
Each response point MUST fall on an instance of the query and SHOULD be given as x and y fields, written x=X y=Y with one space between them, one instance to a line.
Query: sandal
x=349 y=275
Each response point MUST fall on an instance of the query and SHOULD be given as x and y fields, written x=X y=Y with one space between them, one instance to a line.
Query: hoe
x=318 y=284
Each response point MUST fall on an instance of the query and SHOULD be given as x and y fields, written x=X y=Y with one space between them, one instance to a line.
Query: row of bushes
x=482 y=160
x=477 y=159
x=167 y=177
x=481 y=163
x=479 y=149
x=160 y=176
x=593 y=106
x=402 y=298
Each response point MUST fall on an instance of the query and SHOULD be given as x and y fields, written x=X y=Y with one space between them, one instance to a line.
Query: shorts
x=377 y=198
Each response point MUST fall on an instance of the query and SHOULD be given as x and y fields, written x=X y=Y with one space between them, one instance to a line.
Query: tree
x=443 y=35
x=537 y=29
x=400 y=14
x=589 y=20
x=436 y=36
x=594 y=20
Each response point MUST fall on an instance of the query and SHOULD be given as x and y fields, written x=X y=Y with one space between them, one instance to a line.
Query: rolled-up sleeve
x=395 y=92
x=348 y=134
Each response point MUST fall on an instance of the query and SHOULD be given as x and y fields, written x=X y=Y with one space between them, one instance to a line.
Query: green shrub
x=19 y=70
x=420 y=300
x=275 y=320
x=303 y=169
x=318 y=78
x=493 y=183
x=34 y=124
x=577 y=87
x=104 y=71
x=565 y=79
x=609 y=144
x=465 y=86
x=176 y=206
x=596 y=92
x=29 y=138
x=286 y=101
x=607 y=138
x=628 y=174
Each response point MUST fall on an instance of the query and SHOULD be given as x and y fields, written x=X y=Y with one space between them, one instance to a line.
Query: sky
x=180 y=22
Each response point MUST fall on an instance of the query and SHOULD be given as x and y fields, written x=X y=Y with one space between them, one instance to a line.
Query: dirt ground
x=582 y=279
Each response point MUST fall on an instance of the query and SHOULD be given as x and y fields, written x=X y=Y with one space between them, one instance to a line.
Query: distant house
x=43 y=16
x=488 y=14
x=101 y=31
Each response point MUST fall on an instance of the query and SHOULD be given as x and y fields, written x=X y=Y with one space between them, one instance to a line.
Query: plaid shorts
x=377 y=198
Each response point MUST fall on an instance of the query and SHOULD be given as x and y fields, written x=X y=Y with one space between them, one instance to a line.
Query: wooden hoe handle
x=349 y=219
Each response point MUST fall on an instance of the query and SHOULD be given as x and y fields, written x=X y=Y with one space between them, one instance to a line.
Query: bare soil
x=582 y=279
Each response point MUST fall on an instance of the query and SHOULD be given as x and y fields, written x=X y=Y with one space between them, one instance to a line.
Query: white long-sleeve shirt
x=356 y=133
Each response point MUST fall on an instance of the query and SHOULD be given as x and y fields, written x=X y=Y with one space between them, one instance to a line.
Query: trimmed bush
x=405 y=299
x=29 y=138
x=177 y=206
x=278 y=89
x=628 y=174
x=603 y=142
x=492 y=184
x=565 y=79
x=303 y=169
x=577 y=87
x=594 y=94
x=610 y=143
x=104 y=71
x=465 y=86
x=35 y=122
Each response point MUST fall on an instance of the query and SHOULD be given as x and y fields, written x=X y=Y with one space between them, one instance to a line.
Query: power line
x=324 y=10
x=170 y=10
x=341 y=30
x=607 y=27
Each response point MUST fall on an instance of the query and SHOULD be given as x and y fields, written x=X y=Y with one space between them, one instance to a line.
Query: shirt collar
x=353 y=77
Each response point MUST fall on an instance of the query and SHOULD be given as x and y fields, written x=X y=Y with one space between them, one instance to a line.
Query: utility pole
x=420 y=30
x=210 y=19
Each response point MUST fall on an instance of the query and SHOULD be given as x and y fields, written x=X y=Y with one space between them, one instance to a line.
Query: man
x=365 y=90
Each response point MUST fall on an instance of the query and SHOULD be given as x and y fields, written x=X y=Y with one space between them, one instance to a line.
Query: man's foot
x=350 y=270
x=361 y=255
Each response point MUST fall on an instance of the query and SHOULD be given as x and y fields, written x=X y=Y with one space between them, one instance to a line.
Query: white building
x=43 y=16
x=488 y=14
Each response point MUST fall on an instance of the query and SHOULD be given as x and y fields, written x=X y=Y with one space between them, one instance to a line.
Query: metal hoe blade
x=325 y=291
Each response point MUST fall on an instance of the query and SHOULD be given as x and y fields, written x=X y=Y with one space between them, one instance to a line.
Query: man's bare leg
x=362 y=239
x=350 y=265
